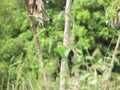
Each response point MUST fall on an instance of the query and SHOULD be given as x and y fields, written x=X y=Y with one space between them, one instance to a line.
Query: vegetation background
x=91 y=41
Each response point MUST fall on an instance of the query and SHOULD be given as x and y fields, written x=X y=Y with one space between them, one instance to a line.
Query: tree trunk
x=37 y=42
x=63 y=71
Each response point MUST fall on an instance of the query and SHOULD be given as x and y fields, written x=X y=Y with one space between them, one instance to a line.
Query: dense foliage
x=91 y=43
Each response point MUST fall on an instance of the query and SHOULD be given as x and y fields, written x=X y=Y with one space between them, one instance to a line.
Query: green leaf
x=106 y=76
x=84 y=77
x=63 y=51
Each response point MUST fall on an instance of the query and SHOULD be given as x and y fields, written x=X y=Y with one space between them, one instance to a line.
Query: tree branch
x=37 y=42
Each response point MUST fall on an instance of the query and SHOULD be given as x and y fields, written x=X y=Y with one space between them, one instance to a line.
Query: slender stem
x=114 y=53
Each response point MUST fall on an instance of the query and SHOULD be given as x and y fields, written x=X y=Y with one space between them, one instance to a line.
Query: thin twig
x=108 y=48
x=114 y=54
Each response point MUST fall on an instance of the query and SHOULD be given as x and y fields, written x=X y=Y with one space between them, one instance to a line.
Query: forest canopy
x=89 y=53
